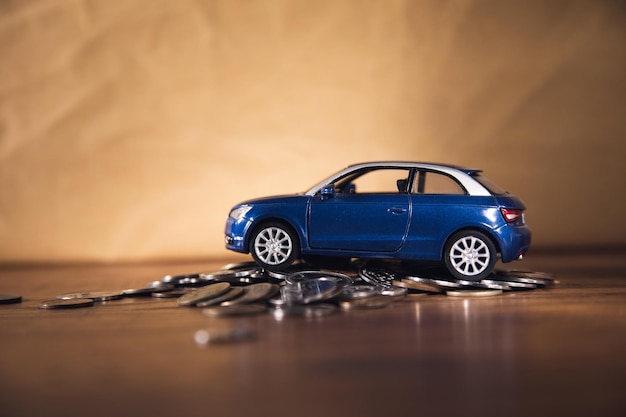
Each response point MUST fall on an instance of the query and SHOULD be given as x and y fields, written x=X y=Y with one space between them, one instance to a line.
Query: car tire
x=274 y=246
x=470 y=255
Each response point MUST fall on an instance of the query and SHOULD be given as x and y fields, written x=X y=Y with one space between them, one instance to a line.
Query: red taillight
x=511 y=215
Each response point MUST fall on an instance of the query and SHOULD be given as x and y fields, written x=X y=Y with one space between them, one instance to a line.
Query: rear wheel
x=470 y=255
x=274 y=246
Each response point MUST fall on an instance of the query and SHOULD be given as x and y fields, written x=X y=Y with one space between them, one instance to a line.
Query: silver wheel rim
x=470 y=256
x=273 y=245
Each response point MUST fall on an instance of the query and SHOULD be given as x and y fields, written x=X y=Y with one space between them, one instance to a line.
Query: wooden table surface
x=550 y=352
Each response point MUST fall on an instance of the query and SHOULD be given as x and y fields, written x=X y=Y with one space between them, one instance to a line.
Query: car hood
x=277 y=199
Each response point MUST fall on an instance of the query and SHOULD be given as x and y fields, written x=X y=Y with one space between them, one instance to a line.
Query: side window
x=385 y=181
x=436 y=183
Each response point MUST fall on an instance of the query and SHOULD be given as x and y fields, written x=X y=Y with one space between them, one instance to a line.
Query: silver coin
x=147 y=291
x=223 y=336
x=226 y=275
x=280 y=275
x=181 y=280
x=378 y=276
x=539 y=282
x=190 y=282
x=494 y=285
x=541 y=279
x=10 y=299
x=307 y=311
x=203 y=293
x=529 y=274
x=393 y=291
x=312 y=290
x=509 y=285
x=472 y=285
x=235 y=310
x=176 y=293
x=252 y=279
x=412 y=284
x=94 y=295
x=66 y=303
x=446 y=283
x=255 y=292
x=355 y=292
x=473 y=293
x=233 y=293
x=375 y=302
x=302 y=276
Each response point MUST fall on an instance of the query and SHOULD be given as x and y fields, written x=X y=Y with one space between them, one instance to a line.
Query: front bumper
x=235 y=233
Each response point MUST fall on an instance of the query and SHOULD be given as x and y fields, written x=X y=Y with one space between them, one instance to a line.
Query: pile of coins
x=307 y=290
x=304 y=290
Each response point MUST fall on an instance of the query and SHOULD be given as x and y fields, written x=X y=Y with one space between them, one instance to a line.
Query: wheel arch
x=271 y=219
x=482 y=230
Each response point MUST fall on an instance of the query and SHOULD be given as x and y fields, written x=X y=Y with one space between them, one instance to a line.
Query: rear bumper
x=514 y=242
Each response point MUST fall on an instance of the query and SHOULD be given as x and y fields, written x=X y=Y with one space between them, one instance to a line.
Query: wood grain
x=550 y=352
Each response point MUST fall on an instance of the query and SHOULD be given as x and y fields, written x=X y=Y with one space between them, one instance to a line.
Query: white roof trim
x=472 y=186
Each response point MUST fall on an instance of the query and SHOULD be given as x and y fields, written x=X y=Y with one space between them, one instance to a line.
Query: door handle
x=397 y=210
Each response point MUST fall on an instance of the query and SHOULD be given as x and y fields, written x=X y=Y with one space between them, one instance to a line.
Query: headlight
x=238 y=212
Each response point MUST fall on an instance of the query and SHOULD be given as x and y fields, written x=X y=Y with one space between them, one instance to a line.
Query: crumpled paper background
x=129 y=128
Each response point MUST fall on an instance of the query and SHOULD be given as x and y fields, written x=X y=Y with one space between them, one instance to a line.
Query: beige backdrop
x=129 y=128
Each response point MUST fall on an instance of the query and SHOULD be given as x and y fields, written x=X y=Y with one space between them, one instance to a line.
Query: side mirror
x=328 y=191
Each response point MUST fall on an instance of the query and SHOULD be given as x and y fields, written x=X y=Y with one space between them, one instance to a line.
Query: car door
x=370 y=211
x=440 y=205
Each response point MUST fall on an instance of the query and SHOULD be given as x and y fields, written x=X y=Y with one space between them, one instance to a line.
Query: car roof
x=464 y=175
x=413 y=164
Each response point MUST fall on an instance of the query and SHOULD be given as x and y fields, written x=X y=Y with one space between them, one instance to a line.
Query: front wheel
x=274 y=246
x=470 y=255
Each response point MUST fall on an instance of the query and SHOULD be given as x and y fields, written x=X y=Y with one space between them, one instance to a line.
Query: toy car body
x=398 y=210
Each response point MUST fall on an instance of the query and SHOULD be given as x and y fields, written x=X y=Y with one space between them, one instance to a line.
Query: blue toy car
x=388 y=210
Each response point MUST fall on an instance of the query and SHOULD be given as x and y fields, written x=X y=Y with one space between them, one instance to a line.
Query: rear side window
x=493 y=188
x=435 y=183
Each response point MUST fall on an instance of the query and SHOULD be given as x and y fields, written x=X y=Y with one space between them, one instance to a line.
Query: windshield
x=327 y=181
x=493 y=188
